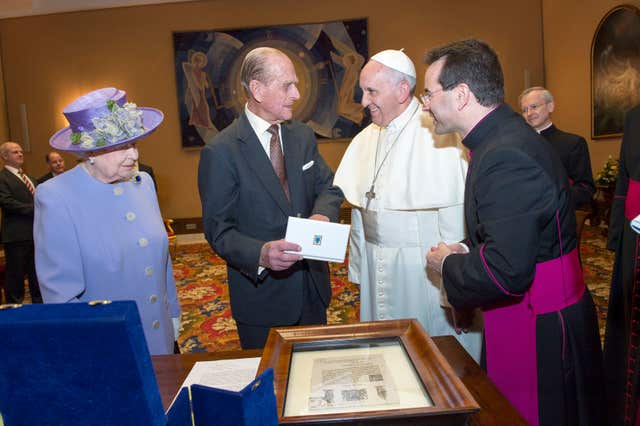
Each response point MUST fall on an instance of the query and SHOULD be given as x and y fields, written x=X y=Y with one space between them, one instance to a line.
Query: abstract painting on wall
x=327 y=58
x=615 y=70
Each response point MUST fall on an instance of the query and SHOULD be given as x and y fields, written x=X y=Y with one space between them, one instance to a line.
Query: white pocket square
x=307 y=166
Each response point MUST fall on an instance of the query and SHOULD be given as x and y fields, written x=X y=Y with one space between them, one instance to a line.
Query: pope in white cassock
x=407 y=192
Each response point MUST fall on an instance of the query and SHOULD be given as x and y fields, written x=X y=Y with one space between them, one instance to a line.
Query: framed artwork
x=327 y=57
x=615 y=70
x=372 y=371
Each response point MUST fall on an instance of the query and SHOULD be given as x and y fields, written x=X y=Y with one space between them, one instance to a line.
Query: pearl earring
x=92 y=161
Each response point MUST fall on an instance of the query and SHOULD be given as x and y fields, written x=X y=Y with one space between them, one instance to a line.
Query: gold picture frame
x=372 y=371
x=615 y=65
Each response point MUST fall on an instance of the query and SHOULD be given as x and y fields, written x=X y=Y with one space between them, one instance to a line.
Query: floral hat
x=103 y=119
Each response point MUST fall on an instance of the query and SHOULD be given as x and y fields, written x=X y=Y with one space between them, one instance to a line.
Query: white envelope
x=319 y=240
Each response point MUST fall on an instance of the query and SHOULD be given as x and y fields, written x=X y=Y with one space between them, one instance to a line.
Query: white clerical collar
x=544 y=128
x=258 y=124
x=400 y=121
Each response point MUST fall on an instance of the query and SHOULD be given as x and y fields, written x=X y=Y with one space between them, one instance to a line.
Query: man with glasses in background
x=406 y=189
x=537 y=105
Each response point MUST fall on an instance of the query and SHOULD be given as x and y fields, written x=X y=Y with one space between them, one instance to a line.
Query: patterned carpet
x=597 y=265
x=207 y=325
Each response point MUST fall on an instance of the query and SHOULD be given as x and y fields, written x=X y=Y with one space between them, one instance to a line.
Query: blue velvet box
x=255 y=405
x=77 y=364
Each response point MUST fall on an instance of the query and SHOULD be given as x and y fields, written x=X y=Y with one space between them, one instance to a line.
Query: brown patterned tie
x=277 y=159
x=27 y=182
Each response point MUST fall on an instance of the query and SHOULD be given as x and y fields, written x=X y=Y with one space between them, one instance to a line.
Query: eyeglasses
x=532 y=107
x=427 y=95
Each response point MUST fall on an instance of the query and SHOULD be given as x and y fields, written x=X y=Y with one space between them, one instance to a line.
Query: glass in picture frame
x=383 y=372
x=352 y=376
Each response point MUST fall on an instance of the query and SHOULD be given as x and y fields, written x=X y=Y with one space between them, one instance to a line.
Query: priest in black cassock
x=537 y=104
x=622 y=334
x=520 y=262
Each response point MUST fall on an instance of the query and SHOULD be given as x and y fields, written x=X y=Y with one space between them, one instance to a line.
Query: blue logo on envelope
x=317 y=240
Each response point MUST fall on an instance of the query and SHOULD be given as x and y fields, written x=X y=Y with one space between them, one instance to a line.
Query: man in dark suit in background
x=537 y=105
x=254 y=175
x=55 y=162
x=16 y=201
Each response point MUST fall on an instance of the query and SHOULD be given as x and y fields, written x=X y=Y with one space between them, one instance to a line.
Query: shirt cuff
x=466 y=250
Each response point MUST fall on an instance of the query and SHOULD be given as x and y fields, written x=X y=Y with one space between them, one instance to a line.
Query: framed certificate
x=367 y=371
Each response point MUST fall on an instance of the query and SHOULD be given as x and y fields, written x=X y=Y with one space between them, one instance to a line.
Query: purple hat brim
x=151 y=119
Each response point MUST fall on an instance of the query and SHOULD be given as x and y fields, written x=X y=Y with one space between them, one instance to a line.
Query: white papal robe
x=419 y=195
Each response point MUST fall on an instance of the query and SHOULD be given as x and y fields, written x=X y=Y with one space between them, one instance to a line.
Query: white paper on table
x=229 y=374
x=319 y=240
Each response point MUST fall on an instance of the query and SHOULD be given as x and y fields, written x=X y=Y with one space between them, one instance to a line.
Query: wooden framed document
x=381 y=372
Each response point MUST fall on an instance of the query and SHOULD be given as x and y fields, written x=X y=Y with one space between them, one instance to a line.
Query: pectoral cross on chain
x=370 y=196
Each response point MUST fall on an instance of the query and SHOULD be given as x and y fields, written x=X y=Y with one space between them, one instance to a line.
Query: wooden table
x=171 y=370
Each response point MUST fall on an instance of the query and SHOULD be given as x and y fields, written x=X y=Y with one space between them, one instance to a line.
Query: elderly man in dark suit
x=16 y=201
x=256 y=173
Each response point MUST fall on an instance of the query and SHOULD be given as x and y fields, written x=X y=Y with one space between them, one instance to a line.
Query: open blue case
x=77 y=364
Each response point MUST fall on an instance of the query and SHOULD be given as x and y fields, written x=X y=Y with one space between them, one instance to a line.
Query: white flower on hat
x=121 y=123
x=86 y=141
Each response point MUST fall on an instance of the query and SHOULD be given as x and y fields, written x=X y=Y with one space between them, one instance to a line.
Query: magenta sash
x=632 y=202
x=510 y=331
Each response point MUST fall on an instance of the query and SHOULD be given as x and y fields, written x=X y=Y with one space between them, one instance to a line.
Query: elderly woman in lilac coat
x=98 y=230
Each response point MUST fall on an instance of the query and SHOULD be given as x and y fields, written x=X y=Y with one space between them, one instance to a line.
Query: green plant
x=607 y=176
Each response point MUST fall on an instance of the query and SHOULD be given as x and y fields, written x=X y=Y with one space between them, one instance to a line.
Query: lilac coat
x=106 y=241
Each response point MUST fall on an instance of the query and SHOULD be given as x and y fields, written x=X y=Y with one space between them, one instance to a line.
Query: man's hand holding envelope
x=318 y=238
x=280 y=255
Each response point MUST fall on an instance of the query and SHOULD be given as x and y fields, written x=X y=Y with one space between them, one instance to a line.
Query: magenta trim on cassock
x=510 y=330
x=630 y=353
x=632 y=203
x=493 y=277
x=564 y=333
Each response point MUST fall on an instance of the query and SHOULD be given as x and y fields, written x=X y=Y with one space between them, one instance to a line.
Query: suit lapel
x=259 y=163
x=16 y=184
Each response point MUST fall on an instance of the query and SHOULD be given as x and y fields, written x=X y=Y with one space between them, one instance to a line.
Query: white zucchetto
x=397 y=60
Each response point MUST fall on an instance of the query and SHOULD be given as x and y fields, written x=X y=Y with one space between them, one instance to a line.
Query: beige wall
x=569 y=27
x=4 y=124
x=50 y=60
